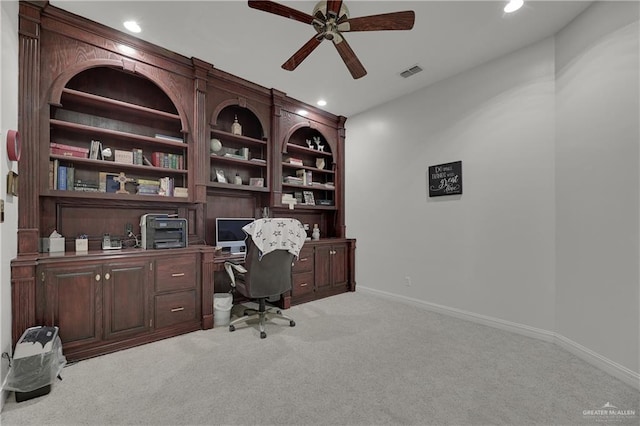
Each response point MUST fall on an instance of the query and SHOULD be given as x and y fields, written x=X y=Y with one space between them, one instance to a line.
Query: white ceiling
x=448 y=37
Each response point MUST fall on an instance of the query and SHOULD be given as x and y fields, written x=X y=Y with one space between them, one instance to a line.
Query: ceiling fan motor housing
x=328 y=26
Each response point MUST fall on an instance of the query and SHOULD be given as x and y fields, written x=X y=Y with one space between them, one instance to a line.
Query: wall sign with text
x=445 y=179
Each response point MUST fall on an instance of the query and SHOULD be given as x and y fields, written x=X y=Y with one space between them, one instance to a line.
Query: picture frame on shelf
x=309 y=200
x=256 y=182
x=220 y=177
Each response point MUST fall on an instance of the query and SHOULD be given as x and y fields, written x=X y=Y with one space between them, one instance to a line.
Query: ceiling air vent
x=411 y=71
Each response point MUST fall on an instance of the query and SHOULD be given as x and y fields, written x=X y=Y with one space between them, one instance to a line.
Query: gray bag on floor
x=37 y=361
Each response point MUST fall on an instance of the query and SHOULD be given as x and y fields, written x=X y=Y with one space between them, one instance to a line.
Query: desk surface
x=225 y=257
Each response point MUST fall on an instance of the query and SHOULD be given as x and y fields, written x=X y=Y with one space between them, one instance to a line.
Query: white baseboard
x=616 y=370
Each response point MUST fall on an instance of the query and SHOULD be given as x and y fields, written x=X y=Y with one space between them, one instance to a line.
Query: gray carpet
x=352 y=359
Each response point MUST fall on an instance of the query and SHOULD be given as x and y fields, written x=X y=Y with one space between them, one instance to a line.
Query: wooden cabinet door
x=126 y=298
x=339 y=276
x=322 y=267
x=73 y=302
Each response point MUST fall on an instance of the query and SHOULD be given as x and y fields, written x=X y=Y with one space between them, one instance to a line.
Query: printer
x=159 y=231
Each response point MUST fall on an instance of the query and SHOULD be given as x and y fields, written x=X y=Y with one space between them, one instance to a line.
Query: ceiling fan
x=330 y=19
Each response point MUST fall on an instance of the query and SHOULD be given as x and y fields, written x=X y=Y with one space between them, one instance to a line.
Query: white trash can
x=222 y=304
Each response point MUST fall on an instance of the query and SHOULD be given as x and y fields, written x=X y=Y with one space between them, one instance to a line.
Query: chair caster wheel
x=232 y=328
x=292 y=323
x=263 y=335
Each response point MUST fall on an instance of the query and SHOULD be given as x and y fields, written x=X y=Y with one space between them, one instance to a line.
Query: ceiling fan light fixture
x=513 y=6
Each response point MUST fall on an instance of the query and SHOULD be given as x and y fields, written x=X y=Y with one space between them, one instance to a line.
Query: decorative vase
x=237 y=180
x=320 y=163
x=236 y=128
x=315 y=234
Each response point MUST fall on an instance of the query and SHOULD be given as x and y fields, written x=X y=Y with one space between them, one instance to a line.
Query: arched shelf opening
x=238 y=151
x=226 y=115
x=110 y=121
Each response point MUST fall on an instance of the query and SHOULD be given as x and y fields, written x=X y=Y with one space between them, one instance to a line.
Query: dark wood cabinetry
x=126 y=298
x=106 y=302
x=323 y=269
x=170 y=124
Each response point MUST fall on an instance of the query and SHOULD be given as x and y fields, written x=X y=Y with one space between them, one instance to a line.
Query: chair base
x=262 y=314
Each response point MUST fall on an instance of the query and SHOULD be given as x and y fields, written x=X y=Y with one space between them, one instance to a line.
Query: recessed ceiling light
x=303 y=112
x=513 y=5
x=321 y=102
x=132 y=26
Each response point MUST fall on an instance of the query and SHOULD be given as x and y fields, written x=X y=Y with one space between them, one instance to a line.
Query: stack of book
x=293 y=179
x=148 y=187
x=86 y=186
x=295 y=161
x=68 y=150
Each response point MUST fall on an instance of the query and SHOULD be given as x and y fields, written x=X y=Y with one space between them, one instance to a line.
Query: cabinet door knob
x=97 y=277
x=107 y=276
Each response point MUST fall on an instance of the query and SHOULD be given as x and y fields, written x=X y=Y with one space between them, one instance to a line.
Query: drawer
x=175 y=308
x=304 y=262
x=302 y=283
x=176 y=273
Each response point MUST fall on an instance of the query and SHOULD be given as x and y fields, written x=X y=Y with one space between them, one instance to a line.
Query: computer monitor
x=229 y=234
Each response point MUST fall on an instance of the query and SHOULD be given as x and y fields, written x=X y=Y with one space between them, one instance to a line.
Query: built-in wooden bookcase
x=238 y=149
x=85 y=88
x=308 y=170
x=132 y=119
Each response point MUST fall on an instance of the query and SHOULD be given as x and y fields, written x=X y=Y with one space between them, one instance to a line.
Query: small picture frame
x=12 y=183
x=308 y=198
x=220 y=176
x=256 y=182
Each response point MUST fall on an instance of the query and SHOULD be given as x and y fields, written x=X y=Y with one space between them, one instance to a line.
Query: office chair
x=272 y=245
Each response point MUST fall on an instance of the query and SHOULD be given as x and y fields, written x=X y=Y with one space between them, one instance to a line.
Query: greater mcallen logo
x=609 y=412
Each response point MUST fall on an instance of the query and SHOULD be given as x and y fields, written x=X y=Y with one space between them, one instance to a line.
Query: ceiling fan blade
x=386 y=21
x=333 y=7
x=350 y=59
x=282 y=10
x=301 y=54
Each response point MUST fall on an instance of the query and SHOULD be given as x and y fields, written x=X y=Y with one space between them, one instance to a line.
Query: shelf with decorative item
x=235 y=187
x=287 y=165
x=237 y=139
x=86 y=176
x=114 y=196
x=291 y=147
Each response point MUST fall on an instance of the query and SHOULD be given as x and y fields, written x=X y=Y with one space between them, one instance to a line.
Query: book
x=111 y=184
x=70 y=176
x=137 y=156
x=68 y=150
x=169 y=138
x=62 y=178
x=95 y=151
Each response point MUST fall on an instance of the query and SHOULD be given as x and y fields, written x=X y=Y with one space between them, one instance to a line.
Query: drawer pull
x=177 y=309
x=181 y=274
x=304 y=259
x=304 y=284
